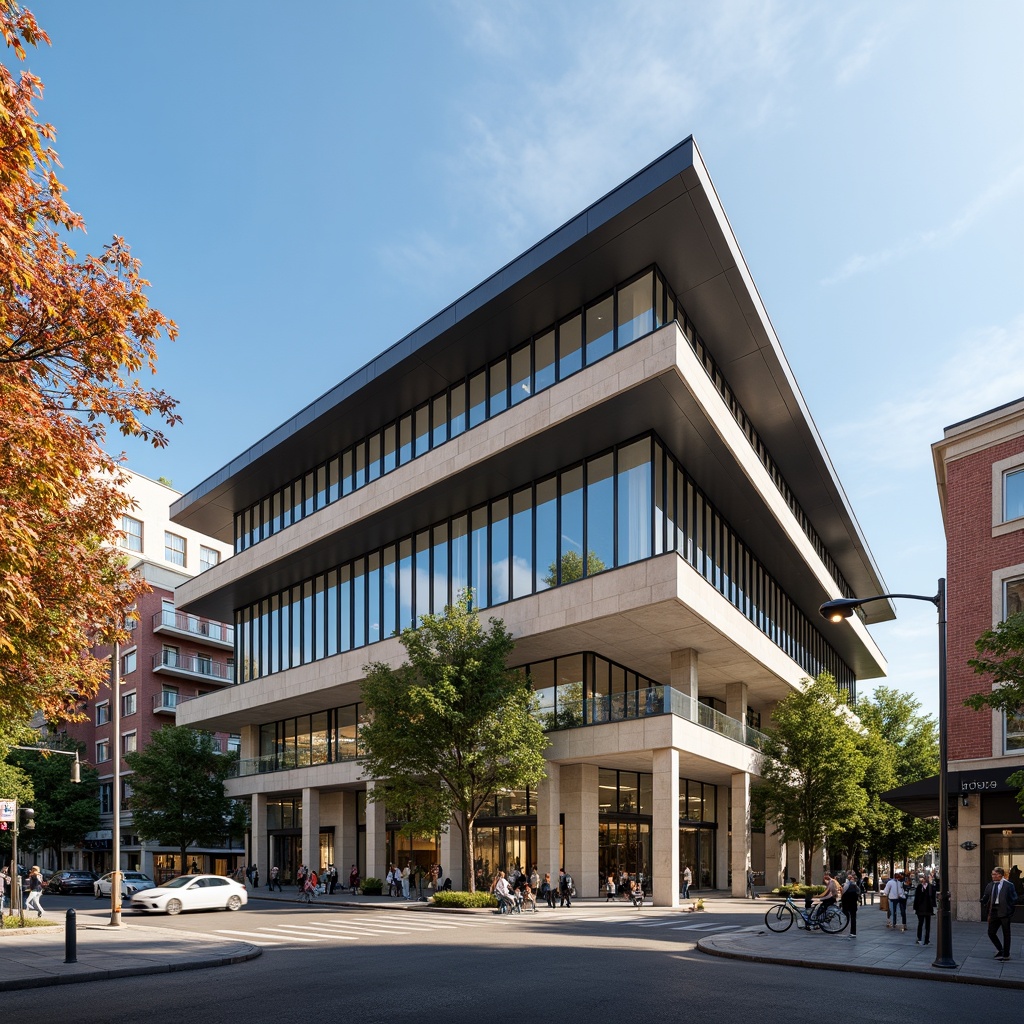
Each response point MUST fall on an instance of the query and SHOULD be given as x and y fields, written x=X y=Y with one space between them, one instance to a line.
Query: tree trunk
x=469 y=878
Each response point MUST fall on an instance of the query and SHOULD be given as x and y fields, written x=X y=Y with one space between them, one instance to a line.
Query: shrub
x=460 y=898
x=371 y=886
x=799 y=892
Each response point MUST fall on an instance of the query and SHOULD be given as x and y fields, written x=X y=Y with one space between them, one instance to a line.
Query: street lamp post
x=842 y=608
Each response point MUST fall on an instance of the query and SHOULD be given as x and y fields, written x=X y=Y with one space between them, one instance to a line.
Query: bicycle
x=308 y=895
x=781 y=918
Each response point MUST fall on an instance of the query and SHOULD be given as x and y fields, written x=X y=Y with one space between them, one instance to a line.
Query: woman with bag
x=850 y=900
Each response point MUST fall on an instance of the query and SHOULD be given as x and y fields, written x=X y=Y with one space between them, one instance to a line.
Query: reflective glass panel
x=600 y=329
x=373 y=633
x=600 y=515
x=543 y=361
x=359 y=602
x=571 y=539
x=634 y=490
x=405 y=578
x=390 y=447
x=373 y=469
x=477 y=398
x=389 y=611
x=499 y=551
x=319 y=617
x=1013 y=495
x=422 y=427
x=460 y=555
x=439 y=412
x=332 y=612
x=345 y=607
x=522 y=542
x=404 y=440
x=520 y=383
x=498 y=387
x=458 y=410
x=422 y=574
x=636 y=315
x=546 y=568
x=439 y=598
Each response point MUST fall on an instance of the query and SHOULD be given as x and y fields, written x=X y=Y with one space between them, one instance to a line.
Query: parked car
x=192 y=892
x=67 y=883
x=131 y=883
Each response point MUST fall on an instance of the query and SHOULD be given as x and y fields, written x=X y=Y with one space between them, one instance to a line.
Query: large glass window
x=600 y=514
x=132 y=529
x=634 y=502
x=546 y=516
x=499 y=551
x=570 y=346
x=635 y=315
x=1013 y=495
x=174 y=548
x=1013 y=597
x=522 y=542
x=600 y=327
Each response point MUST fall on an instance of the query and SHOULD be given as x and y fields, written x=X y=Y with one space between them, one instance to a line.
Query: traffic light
x=28 y=818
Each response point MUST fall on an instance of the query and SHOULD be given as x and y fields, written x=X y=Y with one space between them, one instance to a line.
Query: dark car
x=66 y=883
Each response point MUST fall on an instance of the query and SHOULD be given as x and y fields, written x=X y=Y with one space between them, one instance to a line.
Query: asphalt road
x=560 y=967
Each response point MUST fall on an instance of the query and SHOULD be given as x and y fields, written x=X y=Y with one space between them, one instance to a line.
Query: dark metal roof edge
x=657 y=173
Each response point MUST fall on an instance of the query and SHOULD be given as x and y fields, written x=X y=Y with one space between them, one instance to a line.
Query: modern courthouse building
x=603 y=440
x=979 y=470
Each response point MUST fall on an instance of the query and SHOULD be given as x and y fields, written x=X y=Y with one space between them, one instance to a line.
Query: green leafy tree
x=452 y=726
x=178 y=790
x=812 y=768
x=572 y=568
x=65 y=810
x=1001 y=659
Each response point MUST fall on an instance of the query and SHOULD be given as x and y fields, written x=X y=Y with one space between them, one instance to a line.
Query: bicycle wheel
x=833 y=921
x=779 y=919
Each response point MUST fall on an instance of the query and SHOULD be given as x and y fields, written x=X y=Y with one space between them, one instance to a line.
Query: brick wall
x=972 y=555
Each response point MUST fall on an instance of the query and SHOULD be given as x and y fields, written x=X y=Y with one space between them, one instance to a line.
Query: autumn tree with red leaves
x=76 y=336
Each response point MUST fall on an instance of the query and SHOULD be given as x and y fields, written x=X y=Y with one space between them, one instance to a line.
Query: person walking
x=998 y=903
x=5 y=884
x=353 y=879
x=750 y=884
x=896 y=895
x=924 y=907
x=850 y=900
x=564 y=888
x=609 y=888
x=547 y=891
x=35 y=891
x=687 y=880
x=406 y=874
x=275 y=879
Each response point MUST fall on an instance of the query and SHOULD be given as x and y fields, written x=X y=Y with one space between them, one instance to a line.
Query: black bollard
x=71 y=937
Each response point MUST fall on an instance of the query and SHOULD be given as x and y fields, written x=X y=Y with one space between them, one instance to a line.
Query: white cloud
x=989 y=199
x=895 y=432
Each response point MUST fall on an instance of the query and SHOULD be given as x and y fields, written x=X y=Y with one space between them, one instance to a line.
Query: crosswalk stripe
x=287 y=933
x=702 y=927
x=252 y=936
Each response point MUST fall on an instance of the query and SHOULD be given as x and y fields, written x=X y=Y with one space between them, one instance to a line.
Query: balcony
x=189 y=666
x=165 y=703
x=195 y=627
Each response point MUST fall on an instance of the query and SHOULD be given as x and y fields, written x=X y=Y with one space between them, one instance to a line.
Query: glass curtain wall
x=616 y=507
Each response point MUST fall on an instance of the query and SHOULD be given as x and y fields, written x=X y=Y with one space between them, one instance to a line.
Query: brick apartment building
x=171 y=658
x=979 y=470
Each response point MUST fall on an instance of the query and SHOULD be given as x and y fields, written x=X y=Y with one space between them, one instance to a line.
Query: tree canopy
x=452 y=726
x=812 y=768
x=177 y=784
x=1001 y=660
x=77 y=335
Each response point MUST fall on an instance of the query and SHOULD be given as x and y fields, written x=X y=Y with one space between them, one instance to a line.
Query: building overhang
x=668 y=214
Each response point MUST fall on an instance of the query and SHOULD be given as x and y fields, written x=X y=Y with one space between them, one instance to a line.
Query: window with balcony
x=170 y=656
x=204 y=664
x=129 y=663
x=208 y=558
x=169 y=697
x=129 y=704
x=174 y=548
x=132 y=530
x=102 y=713
x=102 y=751
x=234 y=744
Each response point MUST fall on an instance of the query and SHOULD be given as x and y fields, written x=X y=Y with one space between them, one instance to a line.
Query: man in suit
x=998 y=902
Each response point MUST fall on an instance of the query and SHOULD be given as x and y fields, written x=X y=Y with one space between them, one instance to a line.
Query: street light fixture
x=843 y=608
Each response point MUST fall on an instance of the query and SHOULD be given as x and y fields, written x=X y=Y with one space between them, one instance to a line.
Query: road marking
x=260 y=939
x=288 y=934
x=702 y=927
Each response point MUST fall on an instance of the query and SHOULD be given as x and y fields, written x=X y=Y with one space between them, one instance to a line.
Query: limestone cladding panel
x=344 y=773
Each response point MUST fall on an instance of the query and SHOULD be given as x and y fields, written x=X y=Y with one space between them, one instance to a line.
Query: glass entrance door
x=286 y=854
x=624 y=851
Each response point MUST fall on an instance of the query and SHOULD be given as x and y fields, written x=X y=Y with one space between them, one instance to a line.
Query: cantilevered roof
x=667 y=214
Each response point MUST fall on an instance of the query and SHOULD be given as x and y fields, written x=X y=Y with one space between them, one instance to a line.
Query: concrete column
x=740 y=826
x=311 y=828
x=259 y=852
x=736 y=701
x=579 y=802
x=965 y=873
x=722 y=855
x=549 y=807
x=376 y=837
x=794 y=861
x=451 y=855
x=773 y=856
x=346 y=845
x=684 y=676
x=665 y=828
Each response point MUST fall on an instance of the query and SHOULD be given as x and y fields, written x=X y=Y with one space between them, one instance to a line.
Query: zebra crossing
x=340 y=929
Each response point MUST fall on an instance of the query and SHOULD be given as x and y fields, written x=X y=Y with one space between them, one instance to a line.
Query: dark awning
x=921 y=798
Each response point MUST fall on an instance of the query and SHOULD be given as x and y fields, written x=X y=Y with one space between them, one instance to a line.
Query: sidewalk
x=877 y=950
x=34 y=957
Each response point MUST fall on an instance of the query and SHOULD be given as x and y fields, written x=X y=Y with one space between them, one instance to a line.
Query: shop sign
x=8 y=810
x=988 y=780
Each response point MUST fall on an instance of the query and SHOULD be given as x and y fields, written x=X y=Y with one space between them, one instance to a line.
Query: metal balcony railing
x=191 y=665
x=166 y=701
x=194 y=625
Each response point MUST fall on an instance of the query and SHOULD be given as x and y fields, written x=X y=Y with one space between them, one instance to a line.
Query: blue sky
x=307 y=184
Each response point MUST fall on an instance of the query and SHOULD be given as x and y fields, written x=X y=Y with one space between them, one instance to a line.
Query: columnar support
x=684 y=676
x=579 y=798
x=736 y=696
x=665 y=828
x=451 y=857
x=740 y=832
x=376 y=837
x=259 y=852
x=794 y=861
x=311 y=828
x=346 y=846
x=774 y=874
x=723 y=840
x=549 y=832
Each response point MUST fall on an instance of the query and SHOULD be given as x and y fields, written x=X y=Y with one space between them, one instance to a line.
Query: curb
x=824 y=965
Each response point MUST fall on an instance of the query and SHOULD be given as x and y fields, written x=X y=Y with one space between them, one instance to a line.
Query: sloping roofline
x=668 y=213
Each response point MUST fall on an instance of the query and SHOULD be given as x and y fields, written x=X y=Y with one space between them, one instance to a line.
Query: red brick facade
x=973 y=554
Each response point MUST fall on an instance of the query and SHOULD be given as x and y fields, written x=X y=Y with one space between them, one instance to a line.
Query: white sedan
x=192 y=892
x=131 y=883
